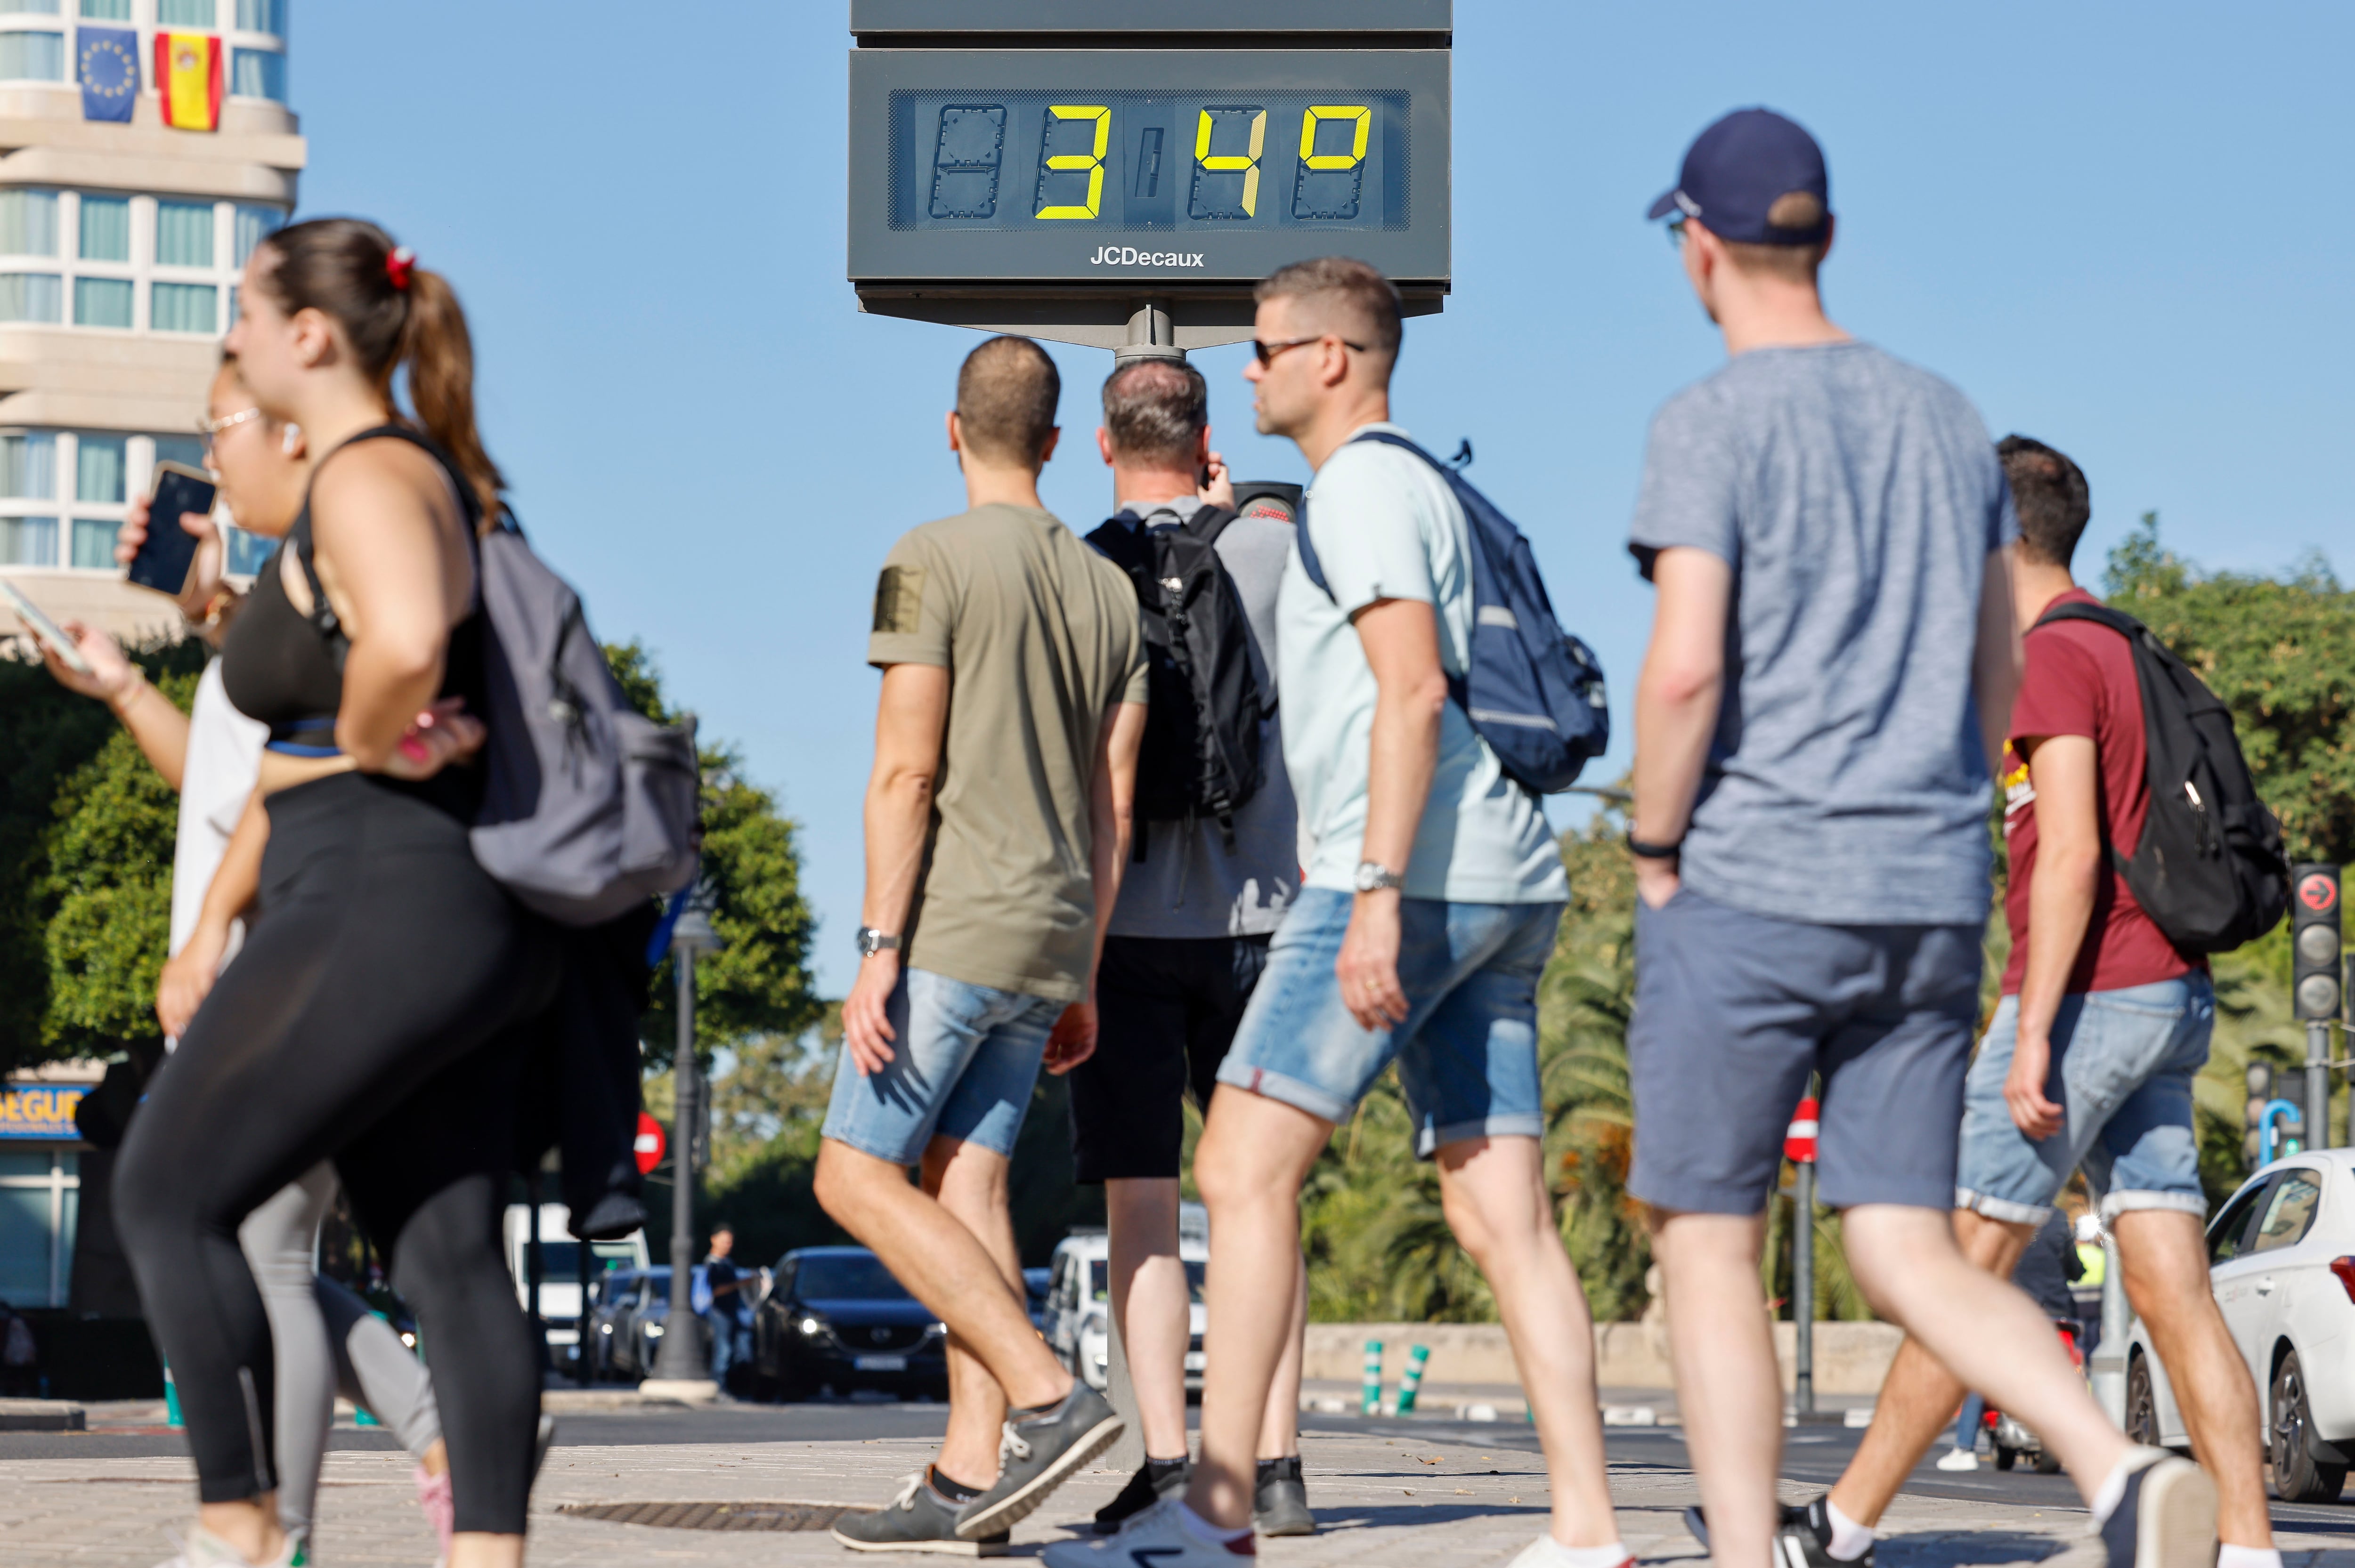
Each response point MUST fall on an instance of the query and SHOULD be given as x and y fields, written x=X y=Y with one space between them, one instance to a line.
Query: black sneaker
x=1041 y=1450
x=1279 y=1498
x=2167 y=1517
x=917 y=1519
x=1156 y=1479
x=1803 y=1541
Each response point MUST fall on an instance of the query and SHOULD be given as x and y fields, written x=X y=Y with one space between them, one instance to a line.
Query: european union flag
x=109 y=73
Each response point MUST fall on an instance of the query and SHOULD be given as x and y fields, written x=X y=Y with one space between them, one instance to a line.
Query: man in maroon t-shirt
x=2091 y=1055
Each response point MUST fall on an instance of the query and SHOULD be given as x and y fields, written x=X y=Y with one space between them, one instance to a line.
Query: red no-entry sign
x=1799 y=1142
x=650 y=1144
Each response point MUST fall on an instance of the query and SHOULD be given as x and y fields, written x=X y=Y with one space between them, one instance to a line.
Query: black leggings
x=373 y=1017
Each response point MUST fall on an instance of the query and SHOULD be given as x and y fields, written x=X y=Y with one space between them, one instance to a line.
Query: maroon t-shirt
x=2081 y=681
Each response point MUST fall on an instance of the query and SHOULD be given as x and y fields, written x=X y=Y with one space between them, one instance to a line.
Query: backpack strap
x=2125 y=626
x=323 y=616
x=1308 y=561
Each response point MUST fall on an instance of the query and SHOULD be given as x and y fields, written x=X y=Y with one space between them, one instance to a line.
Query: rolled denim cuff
x=2002 y=1209
x=2117 y=1203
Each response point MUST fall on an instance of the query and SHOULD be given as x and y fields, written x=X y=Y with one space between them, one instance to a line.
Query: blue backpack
x=1534 y=692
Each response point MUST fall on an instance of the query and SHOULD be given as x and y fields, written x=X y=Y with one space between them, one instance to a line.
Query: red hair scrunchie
x=399 y=264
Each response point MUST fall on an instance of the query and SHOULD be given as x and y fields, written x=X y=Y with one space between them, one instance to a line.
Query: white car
x=1079 y=1298
x=2281 y=1259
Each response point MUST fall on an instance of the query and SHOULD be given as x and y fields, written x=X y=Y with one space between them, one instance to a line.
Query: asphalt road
x=1811 y=1456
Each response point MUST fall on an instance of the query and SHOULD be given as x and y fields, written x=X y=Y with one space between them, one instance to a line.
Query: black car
x=836 y=1320
x=626 y=1325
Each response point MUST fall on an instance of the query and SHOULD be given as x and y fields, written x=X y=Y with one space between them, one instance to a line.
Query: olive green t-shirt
x=1040 y=637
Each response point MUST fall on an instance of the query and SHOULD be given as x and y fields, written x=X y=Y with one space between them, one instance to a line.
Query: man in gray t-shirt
x=1830 y=679
x=1188 y=939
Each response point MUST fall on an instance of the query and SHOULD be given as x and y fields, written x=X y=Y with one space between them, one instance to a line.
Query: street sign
x=1091 y=194
x=650 y=1144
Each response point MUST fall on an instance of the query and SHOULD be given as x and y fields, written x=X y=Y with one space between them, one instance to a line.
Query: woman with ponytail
x=368 y=1018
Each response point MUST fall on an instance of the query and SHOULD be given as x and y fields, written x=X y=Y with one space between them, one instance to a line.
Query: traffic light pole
x=2316 y=982
x=2317 y=1085
x=680 y=1371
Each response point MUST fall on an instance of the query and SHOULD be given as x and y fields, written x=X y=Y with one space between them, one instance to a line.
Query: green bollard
x=1372 y=1404
x=1411 y=1380
x=170 y=1399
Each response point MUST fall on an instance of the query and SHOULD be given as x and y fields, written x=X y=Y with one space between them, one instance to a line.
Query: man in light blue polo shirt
x=1426 y=912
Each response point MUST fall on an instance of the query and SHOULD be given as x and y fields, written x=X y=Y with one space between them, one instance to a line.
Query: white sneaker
x=1159 y=1535
x=1958 y=1460
x=1545 y=1552
x=203 y=1549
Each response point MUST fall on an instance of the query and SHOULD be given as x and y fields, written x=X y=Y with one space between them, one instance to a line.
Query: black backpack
x=2209 y=870
x=1200 y=756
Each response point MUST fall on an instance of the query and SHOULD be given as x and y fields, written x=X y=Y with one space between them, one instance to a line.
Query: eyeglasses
x=208 y=428
x=1268 y=350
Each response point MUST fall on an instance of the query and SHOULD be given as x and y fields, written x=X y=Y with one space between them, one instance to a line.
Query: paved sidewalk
x=1383 y=1502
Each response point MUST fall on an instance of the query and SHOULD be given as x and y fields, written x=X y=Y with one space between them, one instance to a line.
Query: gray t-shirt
x=1857 y=499
x=1189 y=885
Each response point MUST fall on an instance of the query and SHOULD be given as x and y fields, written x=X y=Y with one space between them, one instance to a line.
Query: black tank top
x=285 y=669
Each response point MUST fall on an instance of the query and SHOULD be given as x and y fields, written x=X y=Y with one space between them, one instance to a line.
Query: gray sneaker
x=1039 y=1453
x=917 y=1519
x=1279 y=1498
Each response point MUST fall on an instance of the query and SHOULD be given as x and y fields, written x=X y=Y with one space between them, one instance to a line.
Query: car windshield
x=847 y=1278
x=559 y=1260
x=1100 y=1282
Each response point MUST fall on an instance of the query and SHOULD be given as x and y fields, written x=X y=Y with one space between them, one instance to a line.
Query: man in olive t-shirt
x=1013 y=700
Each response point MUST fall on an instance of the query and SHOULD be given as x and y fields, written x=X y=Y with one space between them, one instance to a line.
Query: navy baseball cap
x=1738 y=168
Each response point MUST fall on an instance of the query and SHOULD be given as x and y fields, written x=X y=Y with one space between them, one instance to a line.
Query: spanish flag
x=188 y=79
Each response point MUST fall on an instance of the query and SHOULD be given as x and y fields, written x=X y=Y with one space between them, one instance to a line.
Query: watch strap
x=1644 y=851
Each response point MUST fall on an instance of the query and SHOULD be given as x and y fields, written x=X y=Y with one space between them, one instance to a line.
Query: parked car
x=559 y=1271
x=1079 y=1298
x=1036 y=1283
x=2281 y=1259
x=628 y=1320
x=834 y=1319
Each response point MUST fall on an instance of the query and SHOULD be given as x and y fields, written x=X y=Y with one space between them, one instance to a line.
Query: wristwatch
x=872 y=941
x=1642 y=850
x=1373 y=877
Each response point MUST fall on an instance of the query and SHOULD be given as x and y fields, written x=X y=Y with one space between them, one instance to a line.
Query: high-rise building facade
x=121 y=242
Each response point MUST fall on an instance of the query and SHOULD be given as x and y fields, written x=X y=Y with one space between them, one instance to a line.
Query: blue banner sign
x=39 y=1110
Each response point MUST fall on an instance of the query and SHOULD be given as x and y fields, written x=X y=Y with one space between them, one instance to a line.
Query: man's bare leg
x=1152 y=1304
x=2164 y=1255
x=1728 y=1391
x=1253 y=1155
x=951 y=1269
x=1918 y=1397
x=1279 y=1429
x=1493 y=1191
x=969 y=1181
x=1987 y=1332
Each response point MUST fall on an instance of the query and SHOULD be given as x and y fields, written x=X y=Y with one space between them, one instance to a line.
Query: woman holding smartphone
x=367 y=1018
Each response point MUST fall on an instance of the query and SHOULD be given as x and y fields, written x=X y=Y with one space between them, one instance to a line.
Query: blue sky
x=2124 y=230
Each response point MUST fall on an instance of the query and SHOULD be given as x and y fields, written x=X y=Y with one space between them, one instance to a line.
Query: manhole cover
x=714 y=1515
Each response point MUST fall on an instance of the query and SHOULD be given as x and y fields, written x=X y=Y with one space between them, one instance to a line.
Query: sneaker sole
x=951 y=1548
x=2175 y=1525
x=1269 y=1524
x=1019 y=1505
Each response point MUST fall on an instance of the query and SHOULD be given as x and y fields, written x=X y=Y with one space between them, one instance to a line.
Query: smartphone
x=163 y=562
x=48 y=631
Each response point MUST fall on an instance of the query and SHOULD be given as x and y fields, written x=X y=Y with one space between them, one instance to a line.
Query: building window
x=29 y=465
x=32 y=57
x=261 y=17
x=41 y=1203
x=183 y=307
x=187 y=14
x=183 y=234
x=254 y=225
x=93 y=543
x=28 y=223
x=102 y=302
x=258 y=73
x=105 y=228
x=30 y=297
x=188 y=450
x=28 y=541
x=106 y=10
x=28 y=7
x=99 y=470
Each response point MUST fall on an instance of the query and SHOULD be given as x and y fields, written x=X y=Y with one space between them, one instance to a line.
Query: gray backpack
x=588 y=806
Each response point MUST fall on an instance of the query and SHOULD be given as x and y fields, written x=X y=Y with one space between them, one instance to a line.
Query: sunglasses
x=1268 y=350
x=1675 y=227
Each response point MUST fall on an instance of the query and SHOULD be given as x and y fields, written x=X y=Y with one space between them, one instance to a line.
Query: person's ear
x=1047 y=446
x=292 y=443
x=1202 y=449
x=1103 y=444
x=1332 y=361
x=1831 y=227
x=314 y=338
x=956 y=434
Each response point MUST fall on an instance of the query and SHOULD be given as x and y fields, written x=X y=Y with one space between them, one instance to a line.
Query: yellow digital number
x=1229 y=162
x=1073 y=163
x=1360 y=114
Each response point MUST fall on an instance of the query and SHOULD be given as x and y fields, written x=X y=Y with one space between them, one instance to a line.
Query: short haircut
x=2051 y=495
x=722 y=1228
x=1350 y=297
x=1801 y=212
x=1007 y=395
x=1156 y=411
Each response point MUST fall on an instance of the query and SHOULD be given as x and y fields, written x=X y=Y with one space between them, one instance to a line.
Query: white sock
x=2113 y=1489
x=1850 y=1539
x=1204 y=1530
x=2230 y=1556
x=1610 y=1556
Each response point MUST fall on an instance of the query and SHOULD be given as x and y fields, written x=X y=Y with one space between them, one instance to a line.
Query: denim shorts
x=1467 y=1054
x=2123 y=1065
x=963 y=1064
x=1734 y=1009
